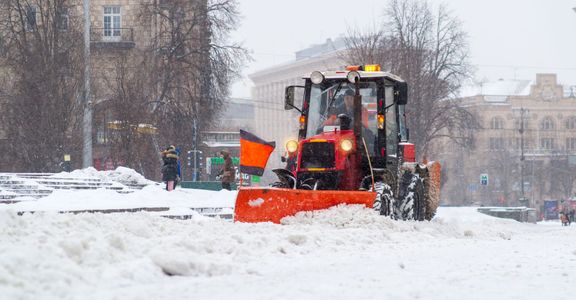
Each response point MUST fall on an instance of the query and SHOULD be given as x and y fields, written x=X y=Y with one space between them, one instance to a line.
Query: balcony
x=112 y=38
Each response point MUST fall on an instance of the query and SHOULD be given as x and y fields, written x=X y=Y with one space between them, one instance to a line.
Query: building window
x=571 y=123
x=517 y=123
x=517 y=143
x=112 y=22
x=570 y=143
x=547 y=124
x=31 y=12
x=101 y=136
x=496 y=144
x=547 y=143
x=63 y=19
x=497 y=123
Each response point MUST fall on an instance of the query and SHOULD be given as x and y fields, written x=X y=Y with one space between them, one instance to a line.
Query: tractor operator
x=347 y=108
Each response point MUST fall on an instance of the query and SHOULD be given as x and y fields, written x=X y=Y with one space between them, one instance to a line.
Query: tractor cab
x=351 y=121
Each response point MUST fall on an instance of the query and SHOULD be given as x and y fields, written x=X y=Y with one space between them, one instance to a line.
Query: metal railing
x=111 y=35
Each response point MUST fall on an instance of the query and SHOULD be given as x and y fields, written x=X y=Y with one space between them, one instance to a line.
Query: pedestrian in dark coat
x=227 y=172
x=169 y=167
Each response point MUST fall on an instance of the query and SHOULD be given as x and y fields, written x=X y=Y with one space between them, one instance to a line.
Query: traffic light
x=484 y=179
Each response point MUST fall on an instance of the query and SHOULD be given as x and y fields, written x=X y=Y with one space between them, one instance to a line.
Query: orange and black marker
x=254 y=153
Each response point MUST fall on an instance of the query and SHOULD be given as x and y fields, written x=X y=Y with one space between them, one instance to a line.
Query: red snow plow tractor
x=352 y=148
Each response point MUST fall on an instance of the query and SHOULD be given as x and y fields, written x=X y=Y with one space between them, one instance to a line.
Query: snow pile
x=121 y=174
x=453 y=222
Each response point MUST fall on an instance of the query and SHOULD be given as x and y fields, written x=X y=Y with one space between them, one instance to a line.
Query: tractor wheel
x=412 y=204
x=280 y=185
x=384 y=202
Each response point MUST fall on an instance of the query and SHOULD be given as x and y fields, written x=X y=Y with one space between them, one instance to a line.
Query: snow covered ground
x=340 y=253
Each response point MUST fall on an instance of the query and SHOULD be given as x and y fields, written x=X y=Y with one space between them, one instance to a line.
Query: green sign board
x=213 y=165
x=220 y=160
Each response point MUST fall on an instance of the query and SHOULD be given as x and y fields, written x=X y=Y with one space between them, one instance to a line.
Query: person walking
x=227 y=172
x=169 y=167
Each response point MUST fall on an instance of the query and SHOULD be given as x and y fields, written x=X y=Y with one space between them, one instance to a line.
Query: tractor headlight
x=346 y=145
x=291 y=146
x=316 y=77
x=353 y=77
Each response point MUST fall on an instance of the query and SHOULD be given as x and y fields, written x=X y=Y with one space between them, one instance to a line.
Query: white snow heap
x=121 y=174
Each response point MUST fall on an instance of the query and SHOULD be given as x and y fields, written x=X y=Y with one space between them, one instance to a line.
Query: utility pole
x=521 y=131
x=194 y=149
x=87 y=120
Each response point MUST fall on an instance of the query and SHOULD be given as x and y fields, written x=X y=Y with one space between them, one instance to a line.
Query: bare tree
x=194 y=64
x=427 y=48
x=562 y=178
x=42 y=68
x=177 y=83
x=127 y=117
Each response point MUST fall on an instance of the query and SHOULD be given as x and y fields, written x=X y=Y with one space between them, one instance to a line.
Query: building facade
x=524 y=152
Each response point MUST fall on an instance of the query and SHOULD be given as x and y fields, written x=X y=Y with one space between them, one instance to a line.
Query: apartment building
x=525 y=146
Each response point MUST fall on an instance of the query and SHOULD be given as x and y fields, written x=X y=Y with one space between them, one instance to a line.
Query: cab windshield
x=329 y=100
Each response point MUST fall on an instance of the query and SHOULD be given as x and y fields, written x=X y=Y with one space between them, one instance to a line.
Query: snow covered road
x=341 y=253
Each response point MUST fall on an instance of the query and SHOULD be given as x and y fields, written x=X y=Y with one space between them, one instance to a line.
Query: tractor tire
x=384 y=202
x=280 y=185
x=411 y=199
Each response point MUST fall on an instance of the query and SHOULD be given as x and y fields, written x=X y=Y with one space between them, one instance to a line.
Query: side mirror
x=293 y=97
x=289 y=98
x=401 y=93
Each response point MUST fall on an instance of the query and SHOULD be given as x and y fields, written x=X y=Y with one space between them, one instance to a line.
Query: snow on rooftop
x=569 y=91
x=498 y=90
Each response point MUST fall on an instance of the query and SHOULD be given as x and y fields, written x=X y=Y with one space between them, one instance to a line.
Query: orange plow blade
x=272 y=204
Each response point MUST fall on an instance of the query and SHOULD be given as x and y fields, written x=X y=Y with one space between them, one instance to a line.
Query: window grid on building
x=570 y=143
x=547 y=124
x=547 y=143
x=571 y=123
x=112 y=22
x=497 y=123
x=517 y=123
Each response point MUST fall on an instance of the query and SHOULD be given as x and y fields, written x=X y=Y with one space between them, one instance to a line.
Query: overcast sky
x=508 y=38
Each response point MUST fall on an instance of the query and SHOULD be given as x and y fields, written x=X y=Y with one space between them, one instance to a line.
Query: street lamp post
x=87 y=119
x=522 y=152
